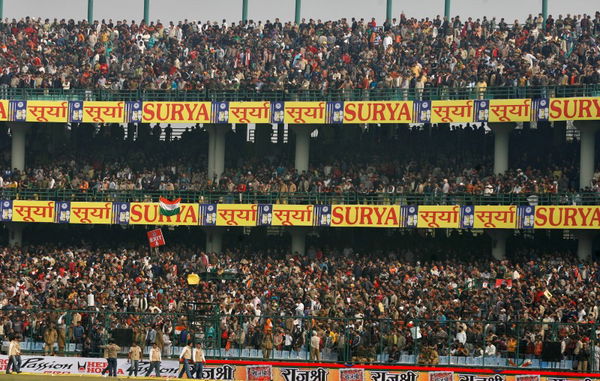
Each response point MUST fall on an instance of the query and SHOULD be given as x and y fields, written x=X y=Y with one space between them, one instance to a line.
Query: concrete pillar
x=302 y=147
x=587 y=133
x=216 y=150
x=18 y=131
x=585 y=241
x=499 y=237
x=501 y=140
x=15 y=234
x=298 y=240
x=214 y=240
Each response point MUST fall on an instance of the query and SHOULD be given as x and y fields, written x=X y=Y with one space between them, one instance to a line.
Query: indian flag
x=170 y=208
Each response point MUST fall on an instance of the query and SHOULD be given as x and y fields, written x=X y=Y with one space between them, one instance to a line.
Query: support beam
x=244 y=11
x=298 y=12
x=216 y=150
x=18 y=131
x=587 y=153
x=499 y=237
x=388 y=11
x=501 y=142
x=147 y=11
x=302 y=147
x=585 y=245
x=15 y=234
x=90 y=12
x=298 y=241
x=545 y=11
x=214 y=240
x=447 y=4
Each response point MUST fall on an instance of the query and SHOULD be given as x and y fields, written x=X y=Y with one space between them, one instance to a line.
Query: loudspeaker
x=123 y=336
x=551 y=351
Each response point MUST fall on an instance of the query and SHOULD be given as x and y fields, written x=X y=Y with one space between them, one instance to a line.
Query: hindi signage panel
x=47 y=111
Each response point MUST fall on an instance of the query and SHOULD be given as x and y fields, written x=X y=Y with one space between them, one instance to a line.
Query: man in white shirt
x=315 y=347
x=490 y=350
x=185 y=358
x=199 y=360
x=155 y=359
x=14 y=356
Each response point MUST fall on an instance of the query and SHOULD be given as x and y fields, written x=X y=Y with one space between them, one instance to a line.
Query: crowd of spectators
x=315 y=54
x=417 y=160
x=358 y=305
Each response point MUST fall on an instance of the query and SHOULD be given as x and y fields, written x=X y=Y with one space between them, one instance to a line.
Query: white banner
x=83 y=365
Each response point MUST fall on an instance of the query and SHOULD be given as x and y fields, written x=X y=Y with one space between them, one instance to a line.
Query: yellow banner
x=3 y=110
x=435 y=216
x=249 y=112
x=510 y=110
x=451 y=111
x=33 y=211
x=304 y=112
x=103 y=112
x=567 y=217
x=236 y=214
x=373 y=216
x=574 y=108
x=148 y=213
x=176 y=112
x=91 y=213
x=499 y=217
x=47 y=111
x=378 y=112
x=292 y=215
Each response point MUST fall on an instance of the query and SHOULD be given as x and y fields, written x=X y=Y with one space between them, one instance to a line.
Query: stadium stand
x=490 y=296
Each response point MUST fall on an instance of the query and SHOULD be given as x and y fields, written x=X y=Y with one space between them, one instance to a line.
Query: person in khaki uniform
x=112 y=350
x=50 y=337
x=267 y=344
x=135 y=355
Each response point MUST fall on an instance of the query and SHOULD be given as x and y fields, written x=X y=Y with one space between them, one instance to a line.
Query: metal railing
x=496 y=344
x=388 y=94
x=208 y=197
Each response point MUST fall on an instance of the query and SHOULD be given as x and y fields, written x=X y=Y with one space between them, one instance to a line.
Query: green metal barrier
x=392 y=94
x=207 y=197
x=516 y=344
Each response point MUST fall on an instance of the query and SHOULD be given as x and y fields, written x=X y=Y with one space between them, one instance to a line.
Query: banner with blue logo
x=422 y=112
x=541 y=109
x=6 y=210
x=208 y=214
x=63 y=212
x=133 y=112
x=526 y=217
x=277 y=112
x=220 y=112
x=482 y=110
x=467 y=217
x=409 y=216
x=322 y=215
x=75 y=111
x=265 y=214
x=17 y=111
x=121 y=213
x=334 y=113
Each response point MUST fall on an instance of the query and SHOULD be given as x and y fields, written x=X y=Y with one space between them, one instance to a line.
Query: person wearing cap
x=186 y=358
x=199 y=360
x=14 y=356
x=155 y=359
